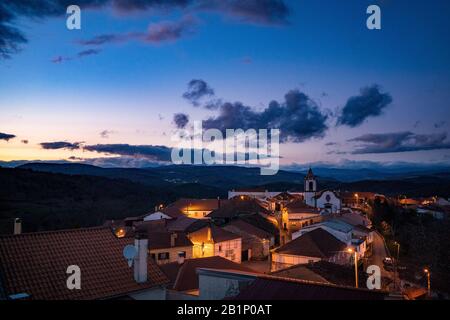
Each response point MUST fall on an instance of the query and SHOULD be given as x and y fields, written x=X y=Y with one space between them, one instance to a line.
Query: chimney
x=181 y=257
x=218 y=202
x=173 y=238
x=140 y=261
x=17 y=226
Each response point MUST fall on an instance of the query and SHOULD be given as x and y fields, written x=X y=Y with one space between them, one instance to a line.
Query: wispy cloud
x=400 y=142
x=157 y=153
x=61 y=145
x=160 y=32
x=79 y=55
x=268 y=12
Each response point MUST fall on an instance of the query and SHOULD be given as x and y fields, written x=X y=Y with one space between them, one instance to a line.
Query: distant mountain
x=379 y=173
x=56 y=196
x=224 y=177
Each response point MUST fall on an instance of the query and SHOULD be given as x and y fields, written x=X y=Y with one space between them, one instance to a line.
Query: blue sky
x=132 y=88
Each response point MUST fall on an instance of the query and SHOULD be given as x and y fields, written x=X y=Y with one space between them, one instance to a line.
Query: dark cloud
x=440 y=124
x=61 y=145
x=60 y=59
x=254 y=11
x=370 y=103
x=298 y=118
x=180 y=120
x=106 y=133
x=400 y=142
x=157 y=153
x=88 y=52
x=7 y=137
x=197 y=90
x=25 y=141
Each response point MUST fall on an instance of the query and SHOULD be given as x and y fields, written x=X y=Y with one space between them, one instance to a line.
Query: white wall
x=233 y=246
x=334 y=201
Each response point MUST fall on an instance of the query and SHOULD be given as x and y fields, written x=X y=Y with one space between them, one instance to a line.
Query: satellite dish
x=129 y=252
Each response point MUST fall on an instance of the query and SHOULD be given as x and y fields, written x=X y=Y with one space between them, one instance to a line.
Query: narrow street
x=379 y=253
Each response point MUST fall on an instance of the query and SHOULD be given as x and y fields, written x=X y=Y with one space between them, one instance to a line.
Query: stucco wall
x=173 y=253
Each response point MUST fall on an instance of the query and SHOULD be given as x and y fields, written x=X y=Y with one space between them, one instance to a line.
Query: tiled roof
x=162 y=240
x=261 y=222
x=300 y=272
x=250 y=229
x=238 y=206
x=197 y=204
x=299 y=206
x=278 y=288
x=317 y=243
x=285 y=196
x=36 y=264
x=217 y=234
x=181 y=223
x=184 y=276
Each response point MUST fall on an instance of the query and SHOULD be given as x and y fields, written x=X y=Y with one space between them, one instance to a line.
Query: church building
x=326 y=199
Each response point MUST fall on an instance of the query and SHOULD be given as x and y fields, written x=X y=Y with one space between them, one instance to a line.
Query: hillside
x=83 y=196
x=49 y=201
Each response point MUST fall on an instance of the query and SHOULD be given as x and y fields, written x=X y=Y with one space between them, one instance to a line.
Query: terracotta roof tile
x=184 y=276
x=36 y=264
x=277 y=288
x=317 y=243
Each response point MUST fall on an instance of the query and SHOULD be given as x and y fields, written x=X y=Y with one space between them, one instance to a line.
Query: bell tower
x=310 y=188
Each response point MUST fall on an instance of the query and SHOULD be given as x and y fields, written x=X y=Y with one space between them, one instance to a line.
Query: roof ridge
x=54 y=231
x=302 y=281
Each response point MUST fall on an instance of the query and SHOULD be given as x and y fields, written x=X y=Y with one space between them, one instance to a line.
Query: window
x=163 y=256
x=235 y=244
x=220 y=248
x=153 y=256
x=311 y=186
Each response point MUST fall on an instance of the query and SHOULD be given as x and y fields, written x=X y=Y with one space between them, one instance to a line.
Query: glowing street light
x=350 y=250
x=427 y=272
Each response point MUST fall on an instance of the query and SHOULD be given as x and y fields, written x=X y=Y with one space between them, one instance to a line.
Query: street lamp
x=396 y=264
x=350 y=250
x=427 y=272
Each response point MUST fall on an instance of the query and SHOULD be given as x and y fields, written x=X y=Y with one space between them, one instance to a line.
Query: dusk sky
x=335 y=89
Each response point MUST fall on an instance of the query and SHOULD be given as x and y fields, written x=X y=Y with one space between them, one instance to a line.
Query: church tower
x=310 y=188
